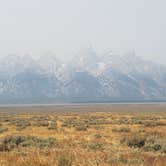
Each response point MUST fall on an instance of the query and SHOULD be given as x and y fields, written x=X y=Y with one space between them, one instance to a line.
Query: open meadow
x=83 y=135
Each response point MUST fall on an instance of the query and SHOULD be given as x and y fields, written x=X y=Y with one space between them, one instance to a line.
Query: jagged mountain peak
x=89 y=77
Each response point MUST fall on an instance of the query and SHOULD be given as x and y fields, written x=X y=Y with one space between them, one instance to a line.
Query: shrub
x=3 y=148
x=3 y=130
x=124 y=129
x=20 y=122
x=13 y=140
x=64 y=159
x=81 y=128
x=21 y=128
x=163 y=149
x=52 y=126
x=151 y=143
x=154 y=143
x=95 y=146
x=135 y=141
x=97 y=136
x=24 y=141
x=117 y=160
x=142 y=130
x=40 y=123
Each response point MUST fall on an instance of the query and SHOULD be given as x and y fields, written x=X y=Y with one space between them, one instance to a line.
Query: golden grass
x=97 y=140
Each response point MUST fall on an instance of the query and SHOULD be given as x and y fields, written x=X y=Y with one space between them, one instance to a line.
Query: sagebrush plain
x=83 y=135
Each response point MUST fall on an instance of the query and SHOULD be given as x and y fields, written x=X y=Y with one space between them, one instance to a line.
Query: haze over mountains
x=88 y=77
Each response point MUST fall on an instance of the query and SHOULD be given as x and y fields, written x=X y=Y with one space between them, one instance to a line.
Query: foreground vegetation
x=79 y=138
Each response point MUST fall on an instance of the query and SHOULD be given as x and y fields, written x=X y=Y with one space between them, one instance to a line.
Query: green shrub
x=95 y=146
x=52 y=126
x=3 y=130
x=19 y=128
x=20 y=123
x=40 y=123
x=163 y=149
x=123 y=129
x=117 y=160
x=81 y=128
x=64 y=159
x=97 y=136
x=150 y=143
x=153 y=123
x=24 y=141
x=135 y=141
x=154 y=143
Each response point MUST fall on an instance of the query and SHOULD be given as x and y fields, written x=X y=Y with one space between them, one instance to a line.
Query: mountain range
x=87 y=77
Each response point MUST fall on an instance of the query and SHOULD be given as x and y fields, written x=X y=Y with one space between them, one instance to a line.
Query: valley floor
x=83 y=135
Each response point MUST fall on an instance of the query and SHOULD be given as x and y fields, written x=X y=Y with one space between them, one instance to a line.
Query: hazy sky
x=64 y=26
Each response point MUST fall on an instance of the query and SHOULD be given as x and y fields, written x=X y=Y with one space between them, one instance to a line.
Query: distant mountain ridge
x=88 y=77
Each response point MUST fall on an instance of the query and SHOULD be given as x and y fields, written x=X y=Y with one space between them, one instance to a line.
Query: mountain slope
x=89 y=77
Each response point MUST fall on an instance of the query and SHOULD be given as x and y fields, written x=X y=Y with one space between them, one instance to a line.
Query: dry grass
x=74 y=136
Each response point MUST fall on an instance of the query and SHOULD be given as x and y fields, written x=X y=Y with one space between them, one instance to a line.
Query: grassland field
x=83 y=135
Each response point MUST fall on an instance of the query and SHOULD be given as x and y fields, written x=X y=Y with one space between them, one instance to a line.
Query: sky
x=64 y=26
